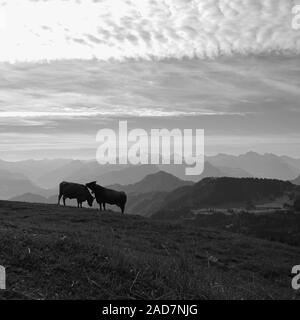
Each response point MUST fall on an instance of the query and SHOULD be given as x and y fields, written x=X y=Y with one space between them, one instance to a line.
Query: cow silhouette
x=70 y=190
x=104 y=195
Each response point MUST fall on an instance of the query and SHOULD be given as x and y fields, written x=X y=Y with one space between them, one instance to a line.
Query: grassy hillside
x=56 y=252
x=145 y=204
x=283 y=227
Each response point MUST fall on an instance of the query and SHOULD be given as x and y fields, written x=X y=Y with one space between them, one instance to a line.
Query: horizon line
x=87 y=159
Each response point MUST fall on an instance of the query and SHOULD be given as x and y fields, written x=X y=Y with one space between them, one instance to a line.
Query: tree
x=297 y=204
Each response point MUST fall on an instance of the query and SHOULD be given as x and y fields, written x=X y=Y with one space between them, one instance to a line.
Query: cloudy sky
x=69 y=68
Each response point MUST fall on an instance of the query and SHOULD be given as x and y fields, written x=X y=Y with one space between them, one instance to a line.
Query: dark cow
x=69 y=190
x=104 y=195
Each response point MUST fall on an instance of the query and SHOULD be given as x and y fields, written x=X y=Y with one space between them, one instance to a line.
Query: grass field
x=53 y=252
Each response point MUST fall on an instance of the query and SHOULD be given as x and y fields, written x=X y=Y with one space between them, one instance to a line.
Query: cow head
x=91 y=185
x=90 y=199
x=94 y=187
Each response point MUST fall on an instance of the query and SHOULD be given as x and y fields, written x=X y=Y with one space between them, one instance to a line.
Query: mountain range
x=164 y=196
x=158 y=181
x=41 y=177
x=143 y=196
x=33 y=169
x=31 y=198
x=14 y=184
x=260 y=166
x=224 y=193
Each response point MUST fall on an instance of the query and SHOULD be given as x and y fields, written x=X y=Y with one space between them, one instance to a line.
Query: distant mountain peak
x=251 y=154
x=157 y=181
x=162 y=174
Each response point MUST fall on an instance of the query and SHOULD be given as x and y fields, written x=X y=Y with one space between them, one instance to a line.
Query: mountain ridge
x=158 y=181
x=258 y=165
x=224 y=192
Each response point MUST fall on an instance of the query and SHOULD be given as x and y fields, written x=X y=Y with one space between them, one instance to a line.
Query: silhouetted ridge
x=159 y=181
x=214 y=192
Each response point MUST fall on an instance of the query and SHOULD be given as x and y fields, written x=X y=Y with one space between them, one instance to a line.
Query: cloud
x=224 y=91
x=76 y=89
x=116 y=111
x=64 y=103
x=144 y=29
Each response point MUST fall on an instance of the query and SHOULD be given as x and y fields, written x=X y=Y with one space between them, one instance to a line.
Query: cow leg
x=100 y=206
x=122 y=207
x=104 y=206
x=59 y=197
x=64 y=200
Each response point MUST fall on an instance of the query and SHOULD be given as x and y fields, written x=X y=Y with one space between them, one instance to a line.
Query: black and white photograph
x=149 y=151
